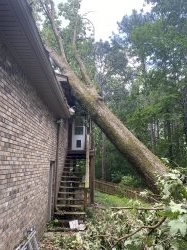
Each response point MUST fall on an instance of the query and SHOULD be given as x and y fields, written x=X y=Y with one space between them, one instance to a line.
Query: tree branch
x=56 y=58
x=152 y=228
x=138 y=208
x=50 y=13
x=156 y=225
x=81 y=65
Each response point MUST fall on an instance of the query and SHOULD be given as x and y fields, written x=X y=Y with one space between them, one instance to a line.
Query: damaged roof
x=20 y=34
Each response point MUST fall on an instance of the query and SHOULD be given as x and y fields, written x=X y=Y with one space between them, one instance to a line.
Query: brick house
x=41 y=146
x=33 y=126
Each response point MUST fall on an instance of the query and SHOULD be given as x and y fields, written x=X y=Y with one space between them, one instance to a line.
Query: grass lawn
x=111 y=200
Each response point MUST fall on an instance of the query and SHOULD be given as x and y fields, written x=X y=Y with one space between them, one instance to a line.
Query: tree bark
x=152 y=136
x=169 y=137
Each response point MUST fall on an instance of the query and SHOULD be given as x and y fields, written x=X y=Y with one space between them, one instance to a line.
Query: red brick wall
x=28 y=139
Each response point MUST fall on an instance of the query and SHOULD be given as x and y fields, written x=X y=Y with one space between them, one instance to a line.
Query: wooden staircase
x=72 y=196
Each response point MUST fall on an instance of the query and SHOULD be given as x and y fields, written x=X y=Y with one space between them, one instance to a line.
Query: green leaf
x=175 y=245
x=177 y=207
x=159 y=247
x=178 y=225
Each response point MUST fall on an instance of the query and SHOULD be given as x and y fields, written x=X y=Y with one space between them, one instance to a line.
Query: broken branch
x=138 y=208
x=125 y=237
x=50 y=13
x=81 y=65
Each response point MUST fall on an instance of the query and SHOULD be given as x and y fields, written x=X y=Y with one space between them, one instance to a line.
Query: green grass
x=111 y=200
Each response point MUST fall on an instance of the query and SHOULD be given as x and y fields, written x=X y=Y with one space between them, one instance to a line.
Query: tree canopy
x=150 y=92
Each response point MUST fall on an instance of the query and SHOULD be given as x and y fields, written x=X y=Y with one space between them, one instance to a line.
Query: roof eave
x=26 y=21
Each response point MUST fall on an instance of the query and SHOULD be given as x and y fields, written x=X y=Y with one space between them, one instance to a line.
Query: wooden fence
x=131 y=193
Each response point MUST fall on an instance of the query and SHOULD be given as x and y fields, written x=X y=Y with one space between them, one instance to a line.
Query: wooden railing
x=87 y=174
x=131 y=193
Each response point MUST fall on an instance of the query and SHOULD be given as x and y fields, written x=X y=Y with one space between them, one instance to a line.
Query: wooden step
x=67 y=192
x=69 y=199
x=70 y=194
x=71 y=181
x=69 y=205
x=71 y=176
x=66 y=187
x=78 y=174
x=69 y=213
x=68 y=169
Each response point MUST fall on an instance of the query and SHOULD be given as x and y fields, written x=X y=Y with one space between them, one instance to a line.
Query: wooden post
x=104 y=162
x=85 y=198
x=87 y=162
x=92 y=178
x=87 y=174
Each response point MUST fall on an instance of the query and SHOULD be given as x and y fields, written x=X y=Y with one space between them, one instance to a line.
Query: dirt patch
x=49 y=239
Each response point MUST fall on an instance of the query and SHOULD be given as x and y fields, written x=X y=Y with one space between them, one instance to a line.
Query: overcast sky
x=106 y=13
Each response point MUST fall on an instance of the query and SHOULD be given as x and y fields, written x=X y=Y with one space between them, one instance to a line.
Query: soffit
x=19 y=33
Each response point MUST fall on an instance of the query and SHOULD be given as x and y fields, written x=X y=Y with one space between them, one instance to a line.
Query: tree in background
x=146 y=85
x=156 y=43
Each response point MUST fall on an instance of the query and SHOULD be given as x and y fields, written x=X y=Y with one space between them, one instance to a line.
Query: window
x=79 y=122
x=78 y=130
x=78 y=143
x=79 y=126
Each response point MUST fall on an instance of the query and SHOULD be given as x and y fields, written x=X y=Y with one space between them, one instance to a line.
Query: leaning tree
x=143 y=161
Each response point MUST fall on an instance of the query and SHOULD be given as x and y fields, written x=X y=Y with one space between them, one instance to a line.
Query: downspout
x=56 y=166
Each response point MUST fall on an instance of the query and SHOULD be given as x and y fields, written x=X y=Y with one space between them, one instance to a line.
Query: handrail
x=87 y=174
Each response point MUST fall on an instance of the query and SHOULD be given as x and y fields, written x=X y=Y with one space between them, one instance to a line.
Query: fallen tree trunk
x=144 y=162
